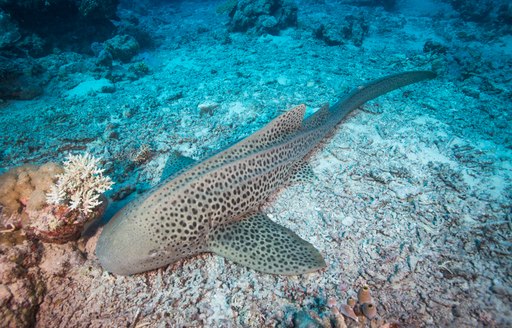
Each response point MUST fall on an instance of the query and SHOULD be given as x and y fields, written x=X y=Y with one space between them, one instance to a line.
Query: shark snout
x=119 y=250
x=108 y=255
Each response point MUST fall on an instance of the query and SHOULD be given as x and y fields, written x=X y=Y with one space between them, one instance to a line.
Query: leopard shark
x=213 y=205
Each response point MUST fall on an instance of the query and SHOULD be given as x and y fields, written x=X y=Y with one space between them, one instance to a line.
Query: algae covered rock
x=21 y=291
x=263 y=16
x=20 y=78
x=122 y=47
x=8 y=30
x=53 y=203
x=353 y=29
x=65 y=24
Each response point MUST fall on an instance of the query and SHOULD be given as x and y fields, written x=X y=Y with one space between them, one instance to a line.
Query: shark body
x=212 y=206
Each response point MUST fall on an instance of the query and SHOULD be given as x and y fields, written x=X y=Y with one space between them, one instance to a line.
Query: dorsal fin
x=176 y=163
x=318 y=118
x=276 y=131
x=280 y=127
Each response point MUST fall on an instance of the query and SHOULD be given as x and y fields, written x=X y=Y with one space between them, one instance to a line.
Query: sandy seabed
x=411 y=197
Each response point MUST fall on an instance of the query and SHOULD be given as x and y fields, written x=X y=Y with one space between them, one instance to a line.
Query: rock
x=434 y=47
x=96 y=48
x=207 y=107
x=477 y=11
x=91 y=87
x=268 y=22
x=5 y=294
x=330 y=34
x=90 y=244
x=9 y=33
x=142 y=36
x=21 y=289
x=347 y=220
x=353 y=29
x=122 y=47
x=79 y=23
x=98 y=9
x=9 y=271
x=17 y=81
x=34 y=45
x=263 y=16
x=104 y=58
x=58 y=259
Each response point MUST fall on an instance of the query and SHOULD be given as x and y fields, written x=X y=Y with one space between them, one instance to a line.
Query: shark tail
x=374 y=89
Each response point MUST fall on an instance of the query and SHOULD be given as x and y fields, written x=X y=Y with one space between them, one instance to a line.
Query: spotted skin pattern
x=265 y=246
x=213 y=205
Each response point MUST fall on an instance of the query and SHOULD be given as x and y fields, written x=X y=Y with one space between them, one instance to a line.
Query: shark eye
x=157 y=253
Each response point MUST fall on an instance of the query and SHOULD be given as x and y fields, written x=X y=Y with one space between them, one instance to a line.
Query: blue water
x=412 y=195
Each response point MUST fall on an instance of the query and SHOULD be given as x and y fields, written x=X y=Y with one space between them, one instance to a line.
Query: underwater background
x=412 y=195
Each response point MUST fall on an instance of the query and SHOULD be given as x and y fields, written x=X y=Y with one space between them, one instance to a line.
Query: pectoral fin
x=265 y=246
x=302 y=172
x=175 y=164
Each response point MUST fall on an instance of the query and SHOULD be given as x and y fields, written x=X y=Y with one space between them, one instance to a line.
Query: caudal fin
x=374 y=89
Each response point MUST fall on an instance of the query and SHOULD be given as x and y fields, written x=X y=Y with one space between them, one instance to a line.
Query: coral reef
x=81 y=184
x=21 y=287
x=61 y=22
x=262 y=16
x=353 y=29
x=73 y=201
x=20 y=78
x=412 y=196
x=227 y=7
x=369 y=310
x=389 y=5
x=122 y=47
x=37 y=36
x=9 y=32
x=332 y=314
x=495 y=15
x=60 y=224
x=24 y=188
x=364 y=295
x=54 y=203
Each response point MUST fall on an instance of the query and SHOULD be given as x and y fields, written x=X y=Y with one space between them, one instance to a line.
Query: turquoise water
x=411 y=195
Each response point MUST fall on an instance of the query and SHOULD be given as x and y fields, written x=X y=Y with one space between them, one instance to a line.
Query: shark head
x=122 y=248
x=144 y=235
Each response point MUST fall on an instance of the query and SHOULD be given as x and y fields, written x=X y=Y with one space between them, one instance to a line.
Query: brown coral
x=369 y=310
x=24 y=187
x=364 y=295
x=59 y=224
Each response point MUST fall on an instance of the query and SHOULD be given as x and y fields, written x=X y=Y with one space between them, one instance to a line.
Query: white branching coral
x=81 y=184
